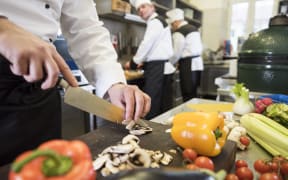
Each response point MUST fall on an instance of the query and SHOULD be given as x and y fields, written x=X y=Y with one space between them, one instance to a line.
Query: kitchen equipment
x=263 y=59
x=86 y=101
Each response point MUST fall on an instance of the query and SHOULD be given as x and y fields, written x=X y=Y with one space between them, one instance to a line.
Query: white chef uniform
x=154 y=51
x=98 y=61
x=187 y=46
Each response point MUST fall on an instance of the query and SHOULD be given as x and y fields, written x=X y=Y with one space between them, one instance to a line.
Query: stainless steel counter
x=253 y=152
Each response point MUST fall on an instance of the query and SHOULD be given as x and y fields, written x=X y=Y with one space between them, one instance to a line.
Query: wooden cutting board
x=111 y=134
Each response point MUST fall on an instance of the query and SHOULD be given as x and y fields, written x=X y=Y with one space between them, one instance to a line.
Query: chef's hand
x=135 y=102
x=31 y=57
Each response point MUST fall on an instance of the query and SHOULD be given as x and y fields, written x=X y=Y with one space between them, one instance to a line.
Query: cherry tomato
x=241 y=163
x=269 y=176
x=231 y=177
x=245 y=140
x=204 y=162
x=244 y=173
x=278 y=159
x=192 y=166
x=261 y=166
x=284 y=168
x=189 y=154
x=274 y=166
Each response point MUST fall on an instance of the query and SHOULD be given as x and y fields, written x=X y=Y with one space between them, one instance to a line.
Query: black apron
x=189 y=80
x=168 y=93
x=153 y=85
x=28 y=114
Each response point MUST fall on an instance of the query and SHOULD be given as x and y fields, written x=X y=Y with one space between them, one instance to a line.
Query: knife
x=86 y=101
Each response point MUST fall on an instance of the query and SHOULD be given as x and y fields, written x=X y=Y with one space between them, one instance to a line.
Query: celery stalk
x=270 y=122
x=274 y=150
x=266 y=133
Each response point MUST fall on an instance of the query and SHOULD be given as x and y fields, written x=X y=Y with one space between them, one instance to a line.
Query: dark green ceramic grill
x=263 y=59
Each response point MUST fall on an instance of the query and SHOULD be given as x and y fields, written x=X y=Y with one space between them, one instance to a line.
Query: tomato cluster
x=195 y=162
x=242 y=171
x=277 y=166
x=273 y=169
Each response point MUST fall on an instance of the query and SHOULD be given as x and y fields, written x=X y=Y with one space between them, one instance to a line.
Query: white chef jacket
x=88 y=41
x=191 y=45
x=156 y=44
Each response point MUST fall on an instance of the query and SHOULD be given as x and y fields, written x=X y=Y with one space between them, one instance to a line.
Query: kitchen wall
x=214 y=22
x=131 y=36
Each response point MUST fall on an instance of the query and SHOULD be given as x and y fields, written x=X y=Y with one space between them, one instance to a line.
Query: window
x=263 y=12
x=248 y=16
x=238 y=22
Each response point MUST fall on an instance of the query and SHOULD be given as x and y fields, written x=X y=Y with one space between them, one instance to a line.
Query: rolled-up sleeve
x=89 y=44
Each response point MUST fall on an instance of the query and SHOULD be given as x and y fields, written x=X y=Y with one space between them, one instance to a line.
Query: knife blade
x=86 y=101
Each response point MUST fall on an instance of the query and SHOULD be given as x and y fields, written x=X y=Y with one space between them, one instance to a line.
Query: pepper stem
x=217 y=133
x=53 y=165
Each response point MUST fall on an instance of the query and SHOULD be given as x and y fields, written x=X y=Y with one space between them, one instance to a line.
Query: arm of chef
x=89 y=45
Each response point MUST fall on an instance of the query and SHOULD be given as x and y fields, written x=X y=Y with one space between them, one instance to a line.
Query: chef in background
x=187 y=46
x=154 y=52
x=30 y=104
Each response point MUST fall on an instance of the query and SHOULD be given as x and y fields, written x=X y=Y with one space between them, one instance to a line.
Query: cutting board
x=111 y=134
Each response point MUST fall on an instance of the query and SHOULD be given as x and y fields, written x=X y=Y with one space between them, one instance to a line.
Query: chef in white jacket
x=30 y=104
x=187 y=46
x=154 y=52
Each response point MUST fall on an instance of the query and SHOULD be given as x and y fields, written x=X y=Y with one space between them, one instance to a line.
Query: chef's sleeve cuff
x=133 y=65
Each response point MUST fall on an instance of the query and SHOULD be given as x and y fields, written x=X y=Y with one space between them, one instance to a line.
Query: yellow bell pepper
x=202 y=131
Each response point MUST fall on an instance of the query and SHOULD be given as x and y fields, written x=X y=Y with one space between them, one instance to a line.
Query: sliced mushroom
x=112 y=169
x=139 y=158
x=100 y=161
x=155 y=165
x=105 y=172
x=173 y=151
x=124 y=158
x=167 y=158
x=140 y=130
x=129 y=155
x=129 y=138
x=121 y=148
x=157 y=156
x=130 y=125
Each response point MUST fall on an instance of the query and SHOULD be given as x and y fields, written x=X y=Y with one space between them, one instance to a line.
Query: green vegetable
x=269 y=134
x=242 y=105
x=278 y=112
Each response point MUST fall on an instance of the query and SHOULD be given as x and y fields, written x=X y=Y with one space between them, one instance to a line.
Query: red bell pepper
x=55 y=160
